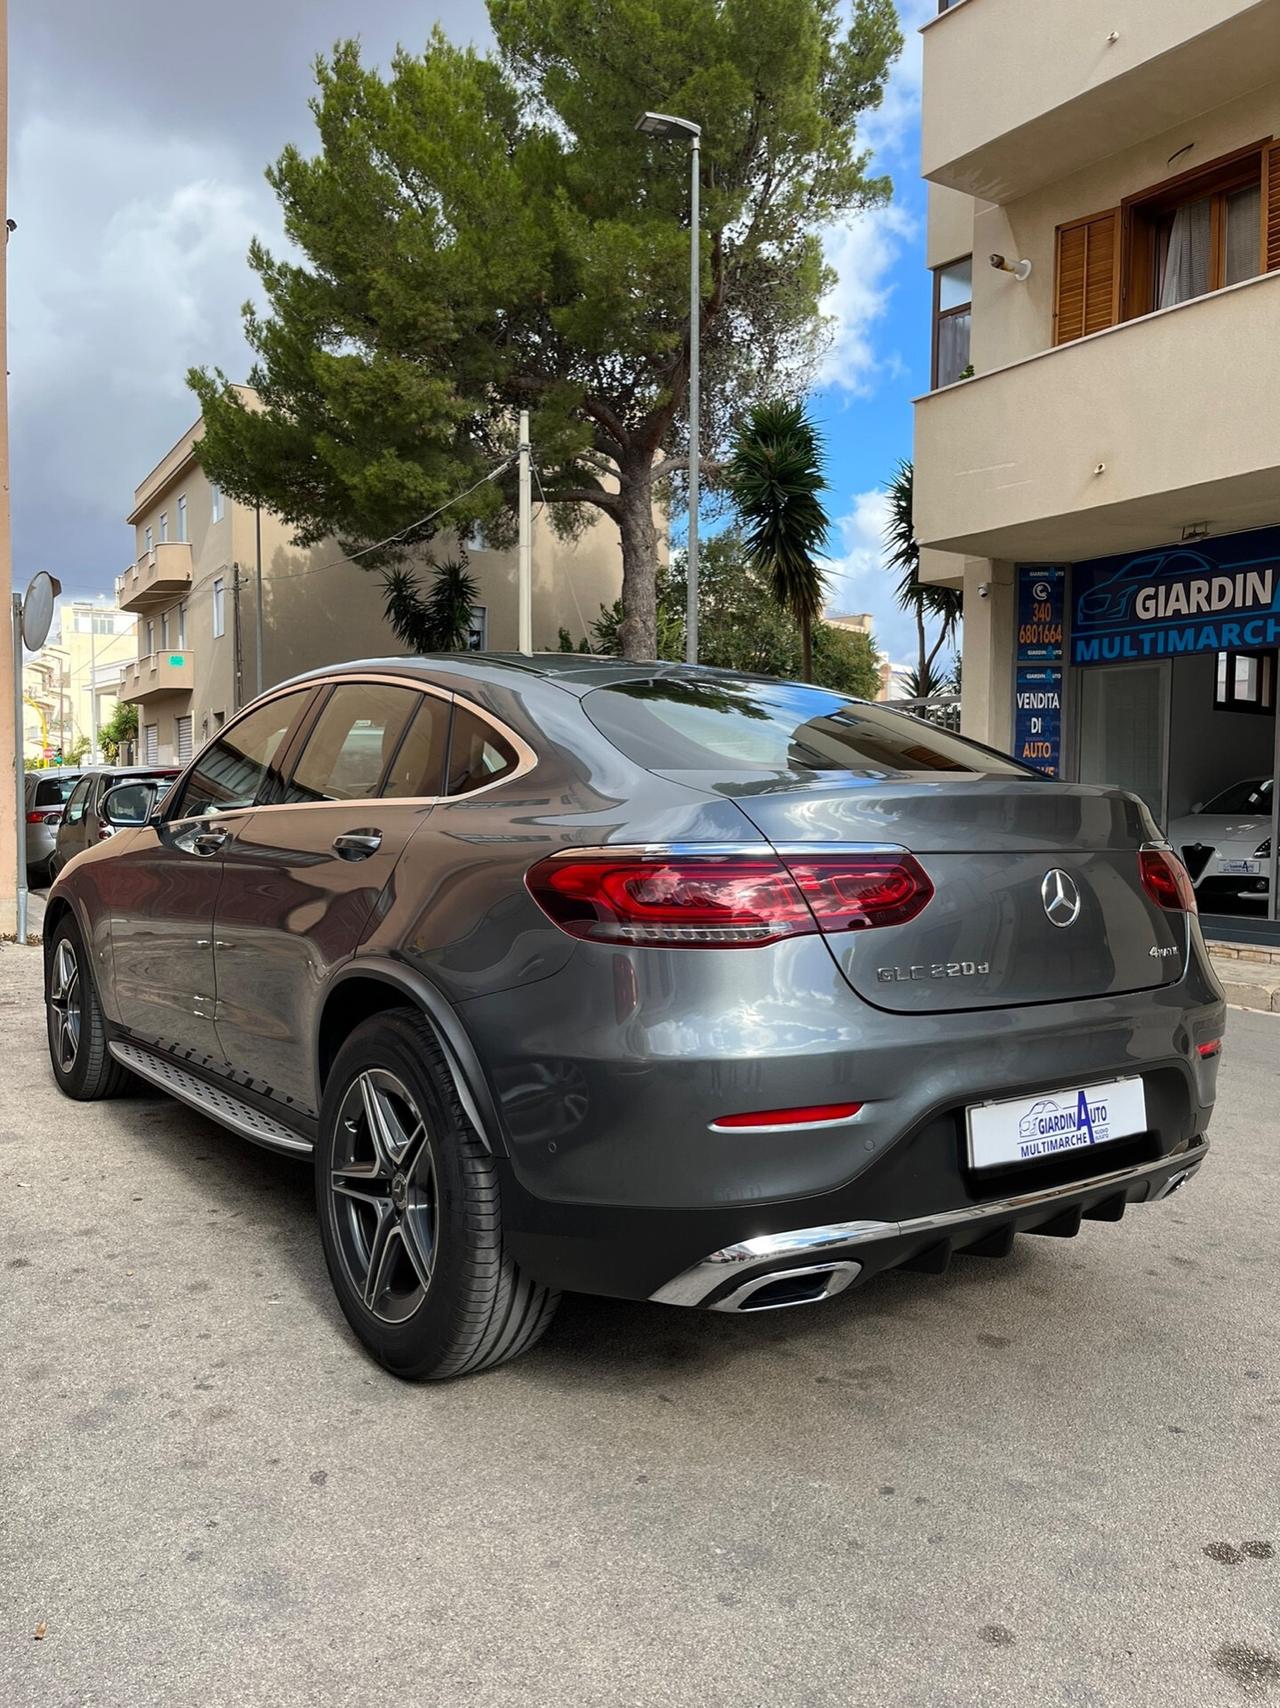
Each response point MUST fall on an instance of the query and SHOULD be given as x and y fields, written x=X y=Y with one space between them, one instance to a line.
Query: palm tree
x=440 y=620
x=776 y=482
x=924 y=599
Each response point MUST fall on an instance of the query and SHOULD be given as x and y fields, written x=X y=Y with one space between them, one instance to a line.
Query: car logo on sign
x=1061 y=898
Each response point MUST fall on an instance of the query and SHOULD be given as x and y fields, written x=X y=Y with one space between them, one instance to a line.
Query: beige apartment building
x=1098 y=460
x=193 y=585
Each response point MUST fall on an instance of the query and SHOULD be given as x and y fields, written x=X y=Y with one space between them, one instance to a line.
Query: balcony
x=156 y=674
x=1018 y=95
x=158 y=578
x=1113 y=443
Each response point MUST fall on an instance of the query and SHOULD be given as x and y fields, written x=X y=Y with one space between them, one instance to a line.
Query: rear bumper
x=801 y=1266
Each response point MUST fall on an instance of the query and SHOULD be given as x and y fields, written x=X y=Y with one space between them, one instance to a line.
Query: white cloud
x=864 y=256
x=857 y=579
x=892 y=126
x=866 y=253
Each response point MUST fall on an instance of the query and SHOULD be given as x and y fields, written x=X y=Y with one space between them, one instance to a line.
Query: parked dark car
x=640 y=980
x=83 y=821
x=45 y=795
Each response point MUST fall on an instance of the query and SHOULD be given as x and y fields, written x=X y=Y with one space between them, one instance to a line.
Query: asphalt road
x=1051 y=1480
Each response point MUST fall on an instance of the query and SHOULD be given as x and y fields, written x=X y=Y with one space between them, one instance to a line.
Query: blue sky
x=138 y=138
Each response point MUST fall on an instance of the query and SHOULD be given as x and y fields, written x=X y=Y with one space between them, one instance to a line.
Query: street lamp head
x=663 y=124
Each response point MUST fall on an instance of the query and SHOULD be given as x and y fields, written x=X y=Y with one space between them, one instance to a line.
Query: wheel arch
x=373 y=986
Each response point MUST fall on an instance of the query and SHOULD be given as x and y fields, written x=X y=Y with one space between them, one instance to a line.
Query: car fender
x=464 y=1065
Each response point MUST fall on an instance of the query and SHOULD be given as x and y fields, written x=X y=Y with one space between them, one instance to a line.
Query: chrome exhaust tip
x=1175 y=1183
x=780 y=1289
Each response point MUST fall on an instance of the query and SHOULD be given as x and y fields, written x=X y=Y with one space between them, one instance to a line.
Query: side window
x=232 y=769
x=352 y=742
x=76 y=805
x=478 y=753
x=418 y=767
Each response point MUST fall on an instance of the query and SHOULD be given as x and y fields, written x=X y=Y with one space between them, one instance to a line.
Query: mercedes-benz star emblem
x=1061 y=898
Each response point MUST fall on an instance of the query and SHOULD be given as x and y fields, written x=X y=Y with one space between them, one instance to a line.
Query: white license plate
x=1249 y=868
x=1027 y=1129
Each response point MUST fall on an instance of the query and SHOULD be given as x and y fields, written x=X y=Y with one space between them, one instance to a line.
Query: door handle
x=209 y=841
x=357 y=844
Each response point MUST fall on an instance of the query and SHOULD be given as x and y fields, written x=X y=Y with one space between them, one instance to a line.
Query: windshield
x=1251 y=799
x=727 y=723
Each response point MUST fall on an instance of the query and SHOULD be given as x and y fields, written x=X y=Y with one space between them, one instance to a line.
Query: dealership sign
x=1216 y=596
x=1037 y=688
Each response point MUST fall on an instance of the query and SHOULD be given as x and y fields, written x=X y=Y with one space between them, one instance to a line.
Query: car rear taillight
x=722 y=901
x=41 y=816
x=1167 y=881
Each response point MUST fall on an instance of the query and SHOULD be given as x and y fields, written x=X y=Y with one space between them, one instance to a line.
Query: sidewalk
x=1250 y=976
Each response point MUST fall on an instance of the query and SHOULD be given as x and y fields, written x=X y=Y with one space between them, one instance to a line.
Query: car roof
x=576 y=672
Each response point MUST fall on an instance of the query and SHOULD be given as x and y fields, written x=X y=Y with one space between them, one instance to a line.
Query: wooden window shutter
x=1088 y=276
x=1271 y=206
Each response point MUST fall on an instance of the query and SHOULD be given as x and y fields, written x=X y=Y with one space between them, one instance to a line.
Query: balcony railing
x=159 y=576
x=1020 y=94
x=157 y=673
x=1115 y=441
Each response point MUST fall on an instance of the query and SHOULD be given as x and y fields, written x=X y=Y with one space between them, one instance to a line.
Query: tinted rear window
x=737 y=725
x=1252 y=800
x=53 y=791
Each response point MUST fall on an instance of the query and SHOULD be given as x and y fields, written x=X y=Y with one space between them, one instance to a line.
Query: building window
x=151 y=638
x=219 y=608
x=1246 y=682
x=185 y=742
x=1195 y=233
x=182 y=627
x=151 y=744
x=182 y=521
x=164 y=526
x=104 y=623
x=164 y=631
x=952 y=314
x=478 y=633
x=148 y=541
x=216 y=492
x=219 y=718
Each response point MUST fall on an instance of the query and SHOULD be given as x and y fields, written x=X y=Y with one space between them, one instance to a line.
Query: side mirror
x=129 y=804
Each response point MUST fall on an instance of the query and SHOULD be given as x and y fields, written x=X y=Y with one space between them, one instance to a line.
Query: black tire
x=412 y=1223
x=78 y=1054
x=40 y=876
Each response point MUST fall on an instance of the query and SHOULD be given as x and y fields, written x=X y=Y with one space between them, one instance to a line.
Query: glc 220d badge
x=934 y=970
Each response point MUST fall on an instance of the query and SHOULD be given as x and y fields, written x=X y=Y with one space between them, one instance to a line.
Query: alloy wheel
x=64 y=1001
x=384 y=1198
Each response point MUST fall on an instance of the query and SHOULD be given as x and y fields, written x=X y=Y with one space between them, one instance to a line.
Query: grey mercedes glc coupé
x=641 y=980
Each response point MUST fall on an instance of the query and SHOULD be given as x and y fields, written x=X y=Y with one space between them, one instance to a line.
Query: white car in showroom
x=1226 y=844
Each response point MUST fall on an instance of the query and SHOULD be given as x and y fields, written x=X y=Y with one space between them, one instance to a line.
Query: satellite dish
x=37 y=609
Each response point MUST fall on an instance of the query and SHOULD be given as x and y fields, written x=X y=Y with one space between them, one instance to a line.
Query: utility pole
x=525 y=599
x=237 y=657
x=257 y=593
x=93 y=688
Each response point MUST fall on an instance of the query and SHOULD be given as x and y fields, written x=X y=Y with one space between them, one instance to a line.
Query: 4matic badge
x=933 y=970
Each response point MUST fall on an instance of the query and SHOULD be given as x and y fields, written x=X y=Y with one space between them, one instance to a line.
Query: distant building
x=859 y=623
x=70 y=687
x=192 y=588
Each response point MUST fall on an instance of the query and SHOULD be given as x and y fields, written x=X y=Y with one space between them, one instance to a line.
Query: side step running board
x=219 y=1104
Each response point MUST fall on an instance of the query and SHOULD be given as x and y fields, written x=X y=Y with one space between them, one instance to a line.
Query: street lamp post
x=663 y=124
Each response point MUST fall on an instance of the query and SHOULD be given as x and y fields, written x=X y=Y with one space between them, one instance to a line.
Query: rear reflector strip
x=812 y=1115
x=1212 y=1048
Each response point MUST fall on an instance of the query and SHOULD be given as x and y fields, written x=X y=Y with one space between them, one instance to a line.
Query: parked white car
x=1226 y=843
